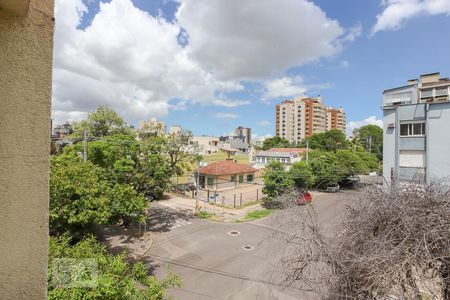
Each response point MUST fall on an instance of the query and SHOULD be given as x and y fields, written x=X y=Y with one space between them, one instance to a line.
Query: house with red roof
x=225 y=174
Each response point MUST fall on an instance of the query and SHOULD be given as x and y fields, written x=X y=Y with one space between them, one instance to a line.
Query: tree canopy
x=81 y=197
x=370 y=137
x=103 y=122
x=115 y=278
x=275 y=142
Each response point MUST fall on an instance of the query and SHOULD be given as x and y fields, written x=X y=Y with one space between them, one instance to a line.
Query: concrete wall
x=438 y=140
x=389 y=142
x=25 y=98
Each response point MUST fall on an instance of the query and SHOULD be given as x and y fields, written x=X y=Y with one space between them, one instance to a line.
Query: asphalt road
x=214 y=264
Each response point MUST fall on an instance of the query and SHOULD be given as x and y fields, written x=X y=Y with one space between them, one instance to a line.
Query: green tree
x=181 y=153
x=152 y=172
x=302 y=175
x=82 y=197
x=351 y=163
x=275 y=142
x=116 y=278
x=103 y=122
x=325 y=168
x=370 y=137
x=331 y=140
x=277 y=180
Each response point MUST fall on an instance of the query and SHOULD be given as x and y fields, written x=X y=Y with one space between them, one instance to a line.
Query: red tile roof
x=295 y=150
x=226 y=167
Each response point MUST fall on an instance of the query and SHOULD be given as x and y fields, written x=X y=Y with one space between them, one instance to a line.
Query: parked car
x=304 y=199
x=333 y=188
x=350 y=181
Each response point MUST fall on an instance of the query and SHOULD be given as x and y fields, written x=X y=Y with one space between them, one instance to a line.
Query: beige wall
x=25 y=98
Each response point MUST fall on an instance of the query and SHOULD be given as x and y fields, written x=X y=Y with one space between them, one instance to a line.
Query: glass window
x=210 y=181
x=419 y=129
x=249 y=178
x=404 y=129
x=412 y=129
x=233 y=178
x=427 y=93
x=442 y=91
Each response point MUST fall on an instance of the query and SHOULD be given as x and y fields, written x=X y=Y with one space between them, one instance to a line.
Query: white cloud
x=127 y=59
x=353 y=33
x=254 y=39
x=289 y=87
x=261 y=138
x=397 y=12
x=132 y=61
x=223 y=115
x=372 y=120
x=283 y=87
x=263 y=123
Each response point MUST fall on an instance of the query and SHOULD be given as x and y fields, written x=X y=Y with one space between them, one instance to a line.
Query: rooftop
x=292 y=150
x=226 y=167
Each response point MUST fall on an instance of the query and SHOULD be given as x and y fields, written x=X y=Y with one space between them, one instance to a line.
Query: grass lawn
x=204 y=215
x=257 y=214
x=221 y=155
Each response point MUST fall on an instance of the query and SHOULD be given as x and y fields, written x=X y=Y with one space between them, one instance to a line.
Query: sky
x=211 y=66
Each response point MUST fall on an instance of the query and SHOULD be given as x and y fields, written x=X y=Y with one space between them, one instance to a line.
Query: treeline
x=368 y=138
x=332 y=159
x=110 y=188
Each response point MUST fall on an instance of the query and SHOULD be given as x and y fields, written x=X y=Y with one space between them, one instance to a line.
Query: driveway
x=215 y=264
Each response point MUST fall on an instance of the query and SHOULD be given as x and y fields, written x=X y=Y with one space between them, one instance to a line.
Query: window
x=441 y=91
x=233 y=178
x=249 y=178
x=412 y=129
x=428 y=93
x=241 y=178
x=210 y=181
x=398 y=98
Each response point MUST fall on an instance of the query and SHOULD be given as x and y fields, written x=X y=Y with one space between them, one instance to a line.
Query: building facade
x=207 y=145
x=244 y=132
x=226 y=174
x=286 y=156
x=416 y=118
x=302 y=117
x=152 y=127
x=336 y=119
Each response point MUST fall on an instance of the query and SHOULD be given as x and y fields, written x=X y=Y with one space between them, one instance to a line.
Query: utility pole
x=85 y=149
x=307 y=151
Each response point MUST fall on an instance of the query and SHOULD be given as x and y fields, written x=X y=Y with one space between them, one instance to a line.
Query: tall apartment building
x=416 y=120
x=336 y=119
x=303 y=117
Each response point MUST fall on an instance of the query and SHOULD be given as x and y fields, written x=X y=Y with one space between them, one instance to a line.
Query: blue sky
x=350 y=71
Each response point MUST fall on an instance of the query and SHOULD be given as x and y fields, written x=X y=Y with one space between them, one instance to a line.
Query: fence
x=232 y=198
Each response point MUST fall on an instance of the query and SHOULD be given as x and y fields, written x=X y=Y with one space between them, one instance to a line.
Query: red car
x=304 y=199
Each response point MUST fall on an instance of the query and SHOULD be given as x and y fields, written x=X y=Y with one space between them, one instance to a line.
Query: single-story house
x=286 y=156
x=225 y=174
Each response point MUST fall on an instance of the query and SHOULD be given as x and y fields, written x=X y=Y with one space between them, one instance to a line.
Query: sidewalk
x=136 y=243
x=220 y=213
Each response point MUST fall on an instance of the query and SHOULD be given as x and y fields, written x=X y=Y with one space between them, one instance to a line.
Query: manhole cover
x=248 y=248
x=234 y=232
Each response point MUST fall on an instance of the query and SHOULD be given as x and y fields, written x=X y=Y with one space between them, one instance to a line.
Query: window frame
x=411 y=128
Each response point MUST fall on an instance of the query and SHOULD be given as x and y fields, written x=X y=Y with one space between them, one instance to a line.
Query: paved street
x=214 y=264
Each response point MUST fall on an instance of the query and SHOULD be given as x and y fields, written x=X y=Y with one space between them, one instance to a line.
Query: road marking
x=180 y=222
